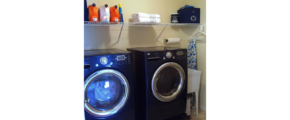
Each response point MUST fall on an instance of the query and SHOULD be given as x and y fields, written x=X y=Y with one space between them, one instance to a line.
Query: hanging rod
x=192 y=38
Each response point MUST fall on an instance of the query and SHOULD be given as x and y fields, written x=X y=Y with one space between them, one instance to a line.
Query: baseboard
x=202 y=107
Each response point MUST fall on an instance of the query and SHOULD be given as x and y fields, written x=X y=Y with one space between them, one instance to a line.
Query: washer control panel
x=108 y=60
x=104 y=60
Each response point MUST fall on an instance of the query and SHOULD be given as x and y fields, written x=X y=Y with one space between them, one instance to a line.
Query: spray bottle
x=121 y=13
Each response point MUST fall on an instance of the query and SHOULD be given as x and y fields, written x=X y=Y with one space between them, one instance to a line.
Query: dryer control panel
x=181 y=54
x=164 y=55
x=174 y=54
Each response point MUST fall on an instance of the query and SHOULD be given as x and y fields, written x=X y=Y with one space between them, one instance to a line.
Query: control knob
x=168 y=55
x=103 y=60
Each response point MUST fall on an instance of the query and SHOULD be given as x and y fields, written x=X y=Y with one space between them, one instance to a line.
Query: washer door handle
x=87 y=100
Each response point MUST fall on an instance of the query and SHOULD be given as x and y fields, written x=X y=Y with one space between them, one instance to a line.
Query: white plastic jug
x=104 y=14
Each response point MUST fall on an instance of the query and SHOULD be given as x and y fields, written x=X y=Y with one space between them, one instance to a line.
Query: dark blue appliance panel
x=146 y=61
x=87 y=66
x=139 y=84
x=176 y=106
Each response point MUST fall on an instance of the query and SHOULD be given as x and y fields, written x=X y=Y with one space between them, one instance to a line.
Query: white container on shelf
x=104 y=13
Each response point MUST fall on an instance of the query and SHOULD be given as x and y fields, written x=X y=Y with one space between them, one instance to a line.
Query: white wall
x=96 y=37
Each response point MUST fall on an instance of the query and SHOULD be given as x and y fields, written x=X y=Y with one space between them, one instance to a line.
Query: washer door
x=106 y=92
x=167 y=81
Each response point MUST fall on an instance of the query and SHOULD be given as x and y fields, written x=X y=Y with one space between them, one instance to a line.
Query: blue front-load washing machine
x=108 y=85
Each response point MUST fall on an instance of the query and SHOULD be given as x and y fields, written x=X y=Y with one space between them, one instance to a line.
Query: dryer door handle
x=85 y=66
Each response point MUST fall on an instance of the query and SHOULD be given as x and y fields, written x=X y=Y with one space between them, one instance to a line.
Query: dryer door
x=167 y=81
x=106 y=92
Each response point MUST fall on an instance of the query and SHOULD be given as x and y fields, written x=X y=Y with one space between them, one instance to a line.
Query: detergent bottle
x=121 y=13
x=93 y=13
x=104 y=13
x=115 y=15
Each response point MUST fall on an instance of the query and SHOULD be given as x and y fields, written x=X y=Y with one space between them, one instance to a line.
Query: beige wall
x=96 y=37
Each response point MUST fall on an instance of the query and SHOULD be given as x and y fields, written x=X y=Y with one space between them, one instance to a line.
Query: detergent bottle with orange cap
x=93 y=13
x=115 y=15
x=121 y=13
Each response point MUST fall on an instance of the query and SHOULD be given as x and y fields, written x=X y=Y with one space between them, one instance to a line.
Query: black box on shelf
x=189 y=14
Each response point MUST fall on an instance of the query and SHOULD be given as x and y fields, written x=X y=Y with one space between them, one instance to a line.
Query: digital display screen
x=121 y=57
x=179 y=53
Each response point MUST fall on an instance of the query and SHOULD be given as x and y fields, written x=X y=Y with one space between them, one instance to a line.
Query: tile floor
x=201 y=115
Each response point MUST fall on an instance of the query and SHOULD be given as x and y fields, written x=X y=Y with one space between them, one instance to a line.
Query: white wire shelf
x=89 y=23
x=164 y=25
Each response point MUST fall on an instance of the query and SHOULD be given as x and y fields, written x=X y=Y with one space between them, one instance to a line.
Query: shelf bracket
x=120 y=32
x=161 y=32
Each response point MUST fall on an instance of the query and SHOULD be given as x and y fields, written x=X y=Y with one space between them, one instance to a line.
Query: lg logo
x=193 y=18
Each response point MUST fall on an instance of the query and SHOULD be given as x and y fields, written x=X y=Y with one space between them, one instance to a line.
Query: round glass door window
x=106 y=92
x=168 y=81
